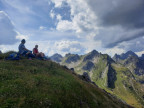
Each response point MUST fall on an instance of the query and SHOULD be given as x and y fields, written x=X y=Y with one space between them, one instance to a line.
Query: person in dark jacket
x=24 y=51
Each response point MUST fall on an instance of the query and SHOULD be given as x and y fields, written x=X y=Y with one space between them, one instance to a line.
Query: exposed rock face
x=135 y=64
x=141 y=81
x=56 y=58
x=89 y=65
x=0 y=52
x=72 y=58
x=85 y=77
x=111 y=77
x=116 y=57
x=139 y=68
x=72 y=69
x=124 y=56
x=131 y=59
x=142 y=57
x=91 y=55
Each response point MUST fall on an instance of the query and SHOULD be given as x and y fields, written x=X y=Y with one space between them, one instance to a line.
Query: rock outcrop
x=89 y=65
x=85 y=77
x=111 y=77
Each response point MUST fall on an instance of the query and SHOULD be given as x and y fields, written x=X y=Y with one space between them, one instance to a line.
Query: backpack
x=13 y=56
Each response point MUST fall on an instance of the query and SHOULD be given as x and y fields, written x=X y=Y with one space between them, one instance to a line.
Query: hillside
x=45 y=84
x=112 y=76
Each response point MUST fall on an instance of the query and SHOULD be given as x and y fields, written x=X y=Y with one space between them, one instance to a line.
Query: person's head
x=23 y=41
x=36 y=46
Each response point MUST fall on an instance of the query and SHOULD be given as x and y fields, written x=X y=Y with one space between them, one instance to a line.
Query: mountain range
x=121 y=75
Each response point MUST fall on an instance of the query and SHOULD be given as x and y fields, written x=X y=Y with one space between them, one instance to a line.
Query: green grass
x=41 y=84
x=123 y=85
x=97 y=73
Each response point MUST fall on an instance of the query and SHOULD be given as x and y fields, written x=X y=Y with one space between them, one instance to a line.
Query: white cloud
x=42 y=28
x=66 y=46
x=113 y=51
x=64 y=25
x=140 y=53
x=59 y=17
x=21 y=36
x=52 y=14
x=58 y=3
x=84 y=21
x=88 y=20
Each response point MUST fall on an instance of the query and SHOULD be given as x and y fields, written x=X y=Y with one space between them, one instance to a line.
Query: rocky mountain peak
x=72 y=58
x=127 y=54
x=124 y=56
x=91 y=55
x=94 y=52
x=67 y=55
x=56 y=57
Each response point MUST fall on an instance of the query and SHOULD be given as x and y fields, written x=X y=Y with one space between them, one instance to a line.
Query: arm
x=25 y=48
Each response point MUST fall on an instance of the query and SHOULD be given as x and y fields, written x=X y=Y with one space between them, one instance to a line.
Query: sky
x=73 y=26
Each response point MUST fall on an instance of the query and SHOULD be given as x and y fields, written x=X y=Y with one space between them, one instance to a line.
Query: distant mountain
x=130 y=60
x=72 y=58
x=136 y=65
x=91 y=55
x=0 y=52
x=118 y=78
x=124 y=56
x=56 y=57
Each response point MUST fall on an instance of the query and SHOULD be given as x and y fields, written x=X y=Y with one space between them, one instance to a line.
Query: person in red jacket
x=37 y=53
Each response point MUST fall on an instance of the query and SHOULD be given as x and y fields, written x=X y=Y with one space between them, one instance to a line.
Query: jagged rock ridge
x=72 y=58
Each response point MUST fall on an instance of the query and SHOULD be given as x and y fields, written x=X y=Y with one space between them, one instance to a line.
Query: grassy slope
x=132 y=97
x=124 y=87
x=35 y=84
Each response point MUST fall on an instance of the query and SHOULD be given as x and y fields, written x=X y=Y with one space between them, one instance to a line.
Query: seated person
x=37 y=53
x=24 y=51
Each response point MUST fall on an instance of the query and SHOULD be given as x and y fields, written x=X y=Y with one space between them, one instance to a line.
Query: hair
x=36 y=45
x=23 y=41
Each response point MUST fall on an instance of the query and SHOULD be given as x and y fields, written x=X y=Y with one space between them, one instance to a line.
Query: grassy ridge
x=41 y=84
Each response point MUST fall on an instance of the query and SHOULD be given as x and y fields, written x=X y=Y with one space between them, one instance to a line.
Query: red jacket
x=35 y=51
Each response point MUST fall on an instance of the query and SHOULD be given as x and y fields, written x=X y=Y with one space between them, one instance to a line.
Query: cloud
x=93 y=17
x=52 y=14
x=7 y=32
x=21 y=36
x=66 y=46
x=58 y=3
x=125 y=17
x=42 y=28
